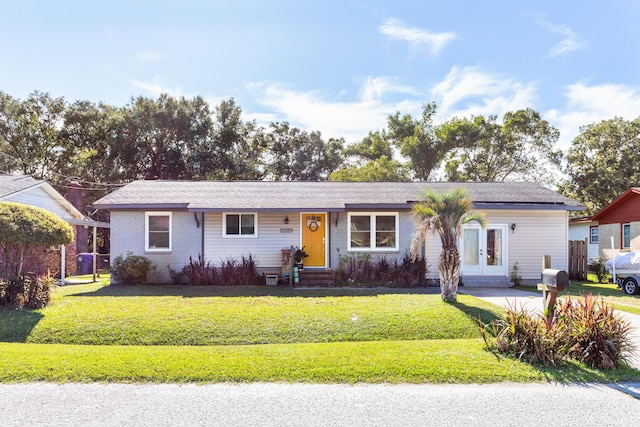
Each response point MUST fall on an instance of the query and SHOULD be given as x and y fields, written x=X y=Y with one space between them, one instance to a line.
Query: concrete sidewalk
x=532 y=301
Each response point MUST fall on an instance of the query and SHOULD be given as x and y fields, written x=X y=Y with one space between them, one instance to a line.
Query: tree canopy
x=521 y=148
x=603 y=162
x=187 y=138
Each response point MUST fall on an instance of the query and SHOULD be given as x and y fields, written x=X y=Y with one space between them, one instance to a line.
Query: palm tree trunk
x=449 y=270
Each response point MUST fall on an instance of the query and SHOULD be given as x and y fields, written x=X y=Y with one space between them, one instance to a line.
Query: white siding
x=273 y=235
x=339 y=238
x=127 y=234
x=40 y=198
x=537 y=233
x=582 y=231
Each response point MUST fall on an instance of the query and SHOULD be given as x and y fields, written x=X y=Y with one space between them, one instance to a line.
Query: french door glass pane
x=494 y=247
x=471 y=246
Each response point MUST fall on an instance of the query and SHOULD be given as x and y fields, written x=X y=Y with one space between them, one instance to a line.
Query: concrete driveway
x=532 y=301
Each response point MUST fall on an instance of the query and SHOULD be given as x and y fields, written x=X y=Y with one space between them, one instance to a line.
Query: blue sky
x=339 y=67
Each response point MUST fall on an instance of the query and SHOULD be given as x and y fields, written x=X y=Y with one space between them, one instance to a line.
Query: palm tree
x=444 y=214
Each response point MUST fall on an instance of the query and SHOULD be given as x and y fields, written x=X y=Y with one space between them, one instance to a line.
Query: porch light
x=513 y=227
x=286 y=219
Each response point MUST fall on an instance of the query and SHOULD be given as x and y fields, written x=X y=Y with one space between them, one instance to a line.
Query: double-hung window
x=374 y=231
x=593 y=234
x=157 y=236
x=240 y=225
x=626 y=236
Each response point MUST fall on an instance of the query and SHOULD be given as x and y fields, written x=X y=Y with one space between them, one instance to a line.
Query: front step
x=316 y=278
x=487 y=281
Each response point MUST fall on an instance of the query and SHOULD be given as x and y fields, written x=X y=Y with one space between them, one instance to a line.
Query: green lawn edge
x=431 y=361
x=608 y=291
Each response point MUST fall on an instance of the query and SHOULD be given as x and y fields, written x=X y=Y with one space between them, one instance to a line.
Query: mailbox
x=558 y=279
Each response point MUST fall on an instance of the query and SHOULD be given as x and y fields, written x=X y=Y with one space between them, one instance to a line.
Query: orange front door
x=314 y=228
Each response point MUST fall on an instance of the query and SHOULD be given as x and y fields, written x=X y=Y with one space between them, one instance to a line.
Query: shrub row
x=230 y=272
x=27 y=291
x=362 y=269
x=585 y=329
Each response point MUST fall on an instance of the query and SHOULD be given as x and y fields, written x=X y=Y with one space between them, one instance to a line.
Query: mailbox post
x=553 y=281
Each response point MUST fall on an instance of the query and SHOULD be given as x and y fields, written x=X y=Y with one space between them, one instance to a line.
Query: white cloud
x=569 y=43
x=148 y=56
x=462 y=92
x=592 y=104
x=469 y=91
x=352 y=120
x=396 y=29
x=156 y=89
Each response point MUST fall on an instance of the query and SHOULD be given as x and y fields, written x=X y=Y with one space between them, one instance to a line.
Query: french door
x=484 y=250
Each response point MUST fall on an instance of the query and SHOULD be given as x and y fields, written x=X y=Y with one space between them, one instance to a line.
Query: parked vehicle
x=625 y=269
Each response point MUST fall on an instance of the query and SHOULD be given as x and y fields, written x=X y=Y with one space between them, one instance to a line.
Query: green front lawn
x=211 y=334
x=174 y=315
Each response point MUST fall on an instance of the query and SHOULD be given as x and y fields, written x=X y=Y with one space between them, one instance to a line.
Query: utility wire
x=68 y=178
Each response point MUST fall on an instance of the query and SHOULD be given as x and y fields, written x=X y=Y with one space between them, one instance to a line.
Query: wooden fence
x=578 y=260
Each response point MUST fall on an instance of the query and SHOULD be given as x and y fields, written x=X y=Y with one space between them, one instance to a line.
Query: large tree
x=371 y=159
x=293 y=154
x=87 y=149
x=234 y=149
x=522 y=147
x=603 y=162
x=417 y=141
x=29 y=136
x=444 y=214
x=23 y=227
x=155 y=138
x=382 y=169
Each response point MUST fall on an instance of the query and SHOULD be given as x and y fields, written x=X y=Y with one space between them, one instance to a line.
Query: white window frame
x=622 y=236
x=372 y=230
x=147 y=215
x=597 y=235
x=240 y=236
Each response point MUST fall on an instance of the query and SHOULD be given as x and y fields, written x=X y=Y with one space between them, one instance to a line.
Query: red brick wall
x=40 y=261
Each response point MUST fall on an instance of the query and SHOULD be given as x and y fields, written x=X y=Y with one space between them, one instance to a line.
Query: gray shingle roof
x=10 y=184
x=311 y=195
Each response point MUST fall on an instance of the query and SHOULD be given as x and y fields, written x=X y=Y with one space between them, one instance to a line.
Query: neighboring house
x=582 y=228
x=170 y=221
x=620 y=219
x=27 y=190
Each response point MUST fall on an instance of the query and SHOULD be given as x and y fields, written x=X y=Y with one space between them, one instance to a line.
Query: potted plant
x=298 y=256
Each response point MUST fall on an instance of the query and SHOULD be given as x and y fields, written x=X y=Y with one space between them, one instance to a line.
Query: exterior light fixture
x=286 y=219
x=513 y=227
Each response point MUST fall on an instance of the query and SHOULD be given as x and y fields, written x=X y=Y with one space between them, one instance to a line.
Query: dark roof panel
x=301 y=195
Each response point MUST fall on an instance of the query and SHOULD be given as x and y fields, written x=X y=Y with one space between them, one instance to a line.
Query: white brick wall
x=127 y=234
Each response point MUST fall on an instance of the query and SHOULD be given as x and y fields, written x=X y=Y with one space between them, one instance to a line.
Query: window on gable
x=157 y=231
x=626 y=236
x=593 y=234
x=373 y=231
x=240 y=225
